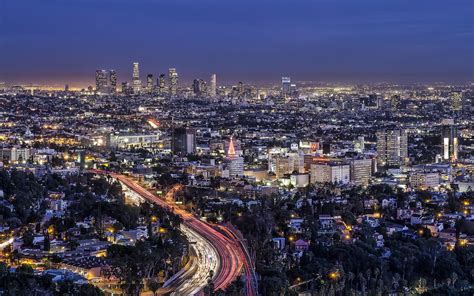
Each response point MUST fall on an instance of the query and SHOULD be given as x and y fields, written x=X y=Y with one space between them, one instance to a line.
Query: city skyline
x=348 y=42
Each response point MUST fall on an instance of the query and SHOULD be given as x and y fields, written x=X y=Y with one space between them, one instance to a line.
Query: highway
x=218 y=250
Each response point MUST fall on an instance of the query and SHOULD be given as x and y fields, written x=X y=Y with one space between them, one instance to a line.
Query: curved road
x=223 y=251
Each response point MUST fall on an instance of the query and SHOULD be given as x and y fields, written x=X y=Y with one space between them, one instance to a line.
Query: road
x=217 y=250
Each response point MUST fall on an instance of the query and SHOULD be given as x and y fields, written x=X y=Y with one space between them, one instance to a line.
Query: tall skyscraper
x=149 y=83
x=450 y=143
x=235 y=163
x=213 y=86
x=183 y=141
x=113 y=80
x=285 y=86
x=173 y=78
x=137 y=84
x=162 y=84
x=392 y=147
x=101 y=81
x=199 y=87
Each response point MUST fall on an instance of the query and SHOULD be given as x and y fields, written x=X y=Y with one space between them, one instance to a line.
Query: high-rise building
x=162 y=84
x=213 y=86
x=199 y=87
x=113 y=80
x=361 y=171
x=392 y=147
x=183 y=141
x=285 y=86
x=149 y=83
x=235 y=163
x=137 y=84
x=450 y=143
x=292 y=162
x=173 y=80
x=330 y=172
x=101 y=81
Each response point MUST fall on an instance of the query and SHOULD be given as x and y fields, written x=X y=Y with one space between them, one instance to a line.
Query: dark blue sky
x=64 y=41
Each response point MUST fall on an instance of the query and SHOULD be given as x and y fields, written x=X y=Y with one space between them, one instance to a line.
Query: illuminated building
x=359 y=144
x=113 y=80
x=285 y=86
x=456 y=100
x=424 y=180
x=16 y=154
x=235 y=163
x=173 y=80
x=450 y=143
x=361 y=171
x=149 y=83
x=101 y=81
x=137 y=84
x=162 y=84
x=213 y=86
x=330 y=172
x=133 y=140
x=292 y=162
x=392 y=147
x=183 y=141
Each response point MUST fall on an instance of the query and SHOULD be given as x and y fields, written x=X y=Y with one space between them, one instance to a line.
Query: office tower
x=293 y=90
x=183 y=141
x=162 y=84
x=361 y=171
x=126 y=88
x=330 y=172
x=213 y=86
x=66 y=88
x=101 y=81
x=113 y=80
x=149 y=83
x=456 y=101
x=137 y=84
x=392 y=147
x=173 y=80
x=199 y=87
x=449 y=139
x=285 y=86
x=292 y=162
x=235 y=163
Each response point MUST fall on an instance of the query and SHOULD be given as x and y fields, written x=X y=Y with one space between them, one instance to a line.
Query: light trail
x=226 y=253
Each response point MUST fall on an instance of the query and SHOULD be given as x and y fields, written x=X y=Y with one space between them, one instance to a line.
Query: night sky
x=65 y=41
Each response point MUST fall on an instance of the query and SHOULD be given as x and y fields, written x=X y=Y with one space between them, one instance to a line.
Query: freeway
x=222 y=253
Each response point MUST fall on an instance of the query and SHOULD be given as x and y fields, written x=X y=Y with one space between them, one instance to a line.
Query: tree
x=153 y=285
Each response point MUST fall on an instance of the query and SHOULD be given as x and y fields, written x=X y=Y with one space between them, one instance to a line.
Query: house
x=301 y=245
x=295 y=224
x=416 y=219
x=278 y=243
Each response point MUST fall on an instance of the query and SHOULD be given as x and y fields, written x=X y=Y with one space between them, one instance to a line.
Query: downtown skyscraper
x=173 y=81
x=101 y=81
x=213 y=86
x=137 y=84
x=113 y=81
